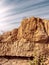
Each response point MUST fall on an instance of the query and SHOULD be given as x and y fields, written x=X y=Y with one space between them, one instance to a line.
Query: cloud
x=13 y=11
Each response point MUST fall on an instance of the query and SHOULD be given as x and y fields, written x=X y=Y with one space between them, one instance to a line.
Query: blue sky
x=13 y=11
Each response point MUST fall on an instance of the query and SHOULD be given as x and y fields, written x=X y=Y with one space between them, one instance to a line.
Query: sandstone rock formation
x=33 y=29
x=31 y=39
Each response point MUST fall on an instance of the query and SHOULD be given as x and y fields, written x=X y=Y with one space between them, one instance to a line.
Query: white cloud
x=22 y=9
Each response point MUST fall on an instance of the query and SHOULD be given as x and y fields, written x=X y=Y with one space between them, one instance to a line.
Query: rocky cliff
x=31 y=39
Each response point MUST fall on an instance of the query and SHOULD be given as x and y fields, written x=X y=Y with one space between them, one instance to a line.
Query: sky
x=13 y=11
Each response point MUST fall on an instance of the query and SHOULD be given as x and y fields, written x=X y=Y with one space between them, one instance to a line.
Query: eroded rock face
x=31 y=39
x=4 y=61
x=21 y=41
x=18 y=48
x=11 y=35
x=32 y=29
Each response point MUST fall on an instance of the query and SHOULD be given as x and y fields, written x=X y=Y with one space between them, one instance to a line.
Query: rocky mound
x=31 y=39
x=33 y=29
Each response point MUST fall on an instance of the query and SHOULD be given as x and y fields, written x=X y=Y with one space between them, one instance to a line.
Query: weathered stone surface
x=32 y=29
x=18 y=48
x=22 y=41
x=46 y=23
x=4 y=61
x=7 y=36
x=23 y=48
x=31 y=39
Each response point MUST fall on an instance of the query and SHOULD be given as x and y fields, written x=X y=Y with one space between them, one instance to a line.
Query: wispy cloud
x=12 y=11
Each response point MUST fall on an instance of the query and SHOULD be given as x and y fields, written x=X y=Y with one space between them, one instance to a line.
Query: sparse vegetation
x=38 y=59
